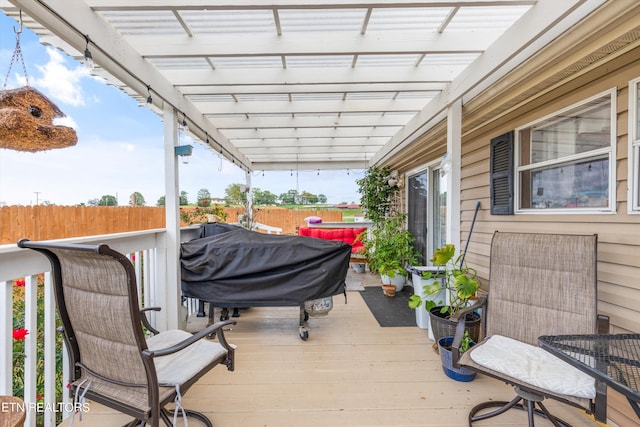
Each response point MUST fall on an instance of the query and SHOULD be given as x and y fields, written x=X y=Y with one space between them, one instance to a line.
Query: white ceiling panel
x=313 y=84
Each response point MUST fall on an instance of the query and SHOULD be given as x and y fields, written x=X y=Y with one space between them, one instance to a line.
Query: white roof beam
x=225 y=123
x=215 y=89
x=237 y=135
x=356 y=159
x=330 y=75
x=352 y=144
x=288 y=4
x=353 y=150
x=267 y=165
x=315 y=106
x=321 y=43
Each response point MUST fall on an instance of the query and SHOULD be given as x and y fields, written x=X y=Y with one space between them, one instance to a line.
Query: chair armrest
x=145 y=320
x=460 y=319
x=216 y=329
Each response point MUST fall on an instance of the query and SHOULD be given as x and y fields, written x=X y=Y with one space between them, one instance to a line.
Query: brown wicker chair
x=113 y=362
x=539 y=284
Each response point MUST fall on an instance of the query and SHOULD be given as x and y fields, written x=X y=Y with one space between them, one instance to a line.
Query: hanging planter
x=26 y=115
x=26 y=122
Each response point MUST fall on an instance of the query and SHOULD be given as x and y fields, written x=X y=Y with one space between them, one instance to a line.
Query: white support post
x=249 y=212
x=454 y=149
x=169 y=283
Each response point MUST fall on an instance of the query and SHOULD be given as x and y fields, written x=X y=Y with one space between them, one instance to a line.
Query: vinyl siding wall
x=564 y=75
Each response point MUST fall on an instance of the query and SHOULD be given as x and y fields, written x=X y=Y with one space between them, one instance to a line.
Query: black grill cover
x=229 y=265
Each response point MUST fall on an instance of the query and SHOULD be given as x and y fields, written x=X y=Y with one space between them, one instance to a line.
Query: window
x=634 y=146
x=565 y=161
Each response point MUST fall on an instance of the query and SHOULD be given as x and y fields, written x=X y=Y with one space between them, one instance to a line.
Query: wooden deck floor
x=351 y=372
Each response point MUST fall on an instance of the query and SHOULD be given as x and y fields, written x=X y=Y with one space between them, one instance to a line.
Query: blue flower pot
x=459 y=374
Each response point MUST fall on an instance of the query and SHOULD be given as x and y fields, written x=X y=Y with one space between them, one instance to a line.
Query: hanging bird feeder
x=27 y=116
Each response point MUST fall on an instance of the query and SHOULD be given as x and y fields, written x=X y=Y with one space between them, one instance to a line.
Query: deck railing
x=144 y=248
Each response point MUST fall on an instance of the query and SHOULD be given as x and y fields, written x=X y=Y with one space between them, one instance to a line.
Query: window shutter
x=501 y=169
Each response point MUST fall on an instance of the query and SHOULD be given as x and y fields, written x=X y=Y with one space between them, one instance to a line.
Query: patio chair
x=539 y=284
x=112 y=361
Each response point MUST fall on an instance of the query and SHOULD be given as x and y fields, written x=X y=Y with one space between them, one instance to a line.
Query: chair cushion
x=179 y=367
x=533 y=365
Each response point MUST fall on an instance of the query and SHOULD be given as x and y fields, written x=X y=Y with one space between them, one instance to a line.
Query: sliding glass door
x=427 y=211
x=417 y=217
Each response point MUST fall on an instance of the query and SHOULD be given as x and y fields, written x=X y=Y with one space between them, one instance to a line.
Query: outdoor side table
x=612 y=359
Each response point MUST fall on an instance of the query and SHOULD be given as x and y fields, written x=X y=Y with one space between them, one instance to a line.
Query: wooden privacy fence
x=59 y=222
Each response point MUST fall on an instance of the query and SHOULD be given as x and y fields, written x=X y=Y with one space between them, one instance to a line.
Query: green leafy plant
x=377 y=194
x=389 y=247
x=459 y=281
x=466 y=342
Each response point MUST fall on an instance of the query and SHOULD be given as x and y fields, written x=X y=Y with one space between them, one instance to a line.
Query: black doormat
x=390 y=311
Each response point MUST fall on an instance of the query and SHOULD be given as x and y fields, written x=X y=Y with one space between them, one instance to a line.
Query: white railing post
x=50 y=398
x=30 y=346
x=6 y=338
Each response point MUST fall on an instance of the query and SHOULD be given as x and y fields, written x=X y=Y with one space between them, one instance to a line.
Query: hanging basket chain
x=17 y=54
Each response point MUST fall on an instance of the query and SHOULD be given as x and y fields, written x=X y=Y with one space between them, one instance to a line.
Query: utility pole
x=37 y=193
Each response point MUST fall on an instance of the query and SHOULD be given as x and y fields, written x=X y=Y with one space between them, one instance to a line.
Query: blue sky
x=120 y=146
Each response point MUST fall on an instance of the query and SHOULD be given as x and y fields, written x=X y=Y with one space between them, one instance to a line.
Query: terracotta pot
x=389 y=290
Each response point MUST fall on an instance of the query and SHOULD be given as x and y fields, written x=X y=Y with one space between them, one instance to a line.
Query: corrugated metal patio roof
x=301 y=84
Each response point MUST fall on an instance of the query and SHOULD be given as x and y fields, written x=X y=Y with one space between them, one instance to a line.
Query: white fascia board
x=70 y=20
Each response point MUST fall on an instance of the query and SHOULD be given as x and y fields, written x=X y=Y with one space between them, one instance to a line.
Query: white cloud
x=60 y=82
x=66 y=121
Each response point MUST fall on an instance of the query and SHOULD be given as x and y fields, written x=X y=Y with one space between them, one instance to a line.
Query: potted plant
x=460 y=286
x=420 y=280
x=459 y=373
x=389 y=250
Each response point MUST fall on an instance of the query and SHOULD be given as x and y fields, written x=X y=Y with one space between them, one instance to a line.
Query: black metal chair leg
x=501 y=405
x=530 y=411
x=557 y=422
x=527 y=405
x=167 y=417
